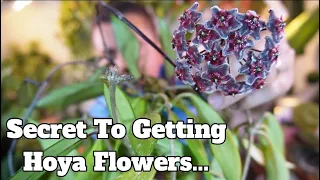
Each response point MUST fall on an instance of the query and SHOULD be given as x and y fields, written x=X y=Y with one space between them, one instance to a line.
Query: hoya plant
x=203 y=63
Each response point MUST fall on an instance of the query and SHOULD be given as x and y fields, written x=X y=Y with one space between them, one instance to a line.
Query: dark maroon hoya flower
x=254 y=66
x=251 y=24
x=223 y=21
x=271 y=52
x=276 y=26
x=215 y=56
x=205 y=36
x=226 y=34
x=183 y=72
x=217 y=74
x=232 y=87
x=179 y=42
x=193 y=56
x=237 y=44
x=189 y=18
x=204 y=85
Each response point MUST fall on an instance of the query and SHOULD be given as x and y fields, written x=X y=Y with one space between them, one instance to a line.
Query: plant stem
x=112 y=87
x=253 y=129
x=251 y=138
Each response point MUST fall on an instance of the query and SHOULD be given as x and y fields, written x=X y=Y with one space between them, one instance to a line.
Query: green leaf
x=274 y=132
x=275 y=164
x=71 y=94
x=163 y=147
x=128 y=45
x=227 y=153
x=166 y=37
x=90 y=174
x=125 y=111
x=139 y=106
x=216 y=170
x=96 y=75
x=144 y=147
x=132 y=175
x=60 y=148
x=301 y=29
x=198 y=150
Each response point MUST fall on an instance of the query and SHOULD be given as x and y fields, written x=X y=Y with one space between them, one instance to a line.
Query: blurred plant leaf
x=301 y=29
x=132 y=175
x=60 y=148
x=163 y=147
x=144 y=147
x=166 y=37
x=274 y=132
x=124 y=108
x=216 y=170
x=70 y=94
x=139 y=106
x=275 y=164
x=257 y=154
x=227 y=153
x=90 y=174
x=128 y=45
x=306 y=118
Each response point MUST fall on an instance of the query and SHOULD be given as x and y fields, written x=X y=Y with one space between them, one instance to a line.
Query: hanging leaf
x=90 y=174
x=144 y=147
x=227 y=153
x=60 y=148
x=301 y=29
x=124 y=109
x=274 y=132
x=166 y=36
x=132 y=175
x=275 y=164
x=71 y=94
x=128 y=45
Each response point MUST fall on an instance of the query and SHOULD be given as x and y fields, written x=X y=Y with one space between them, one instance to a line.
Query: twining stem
x=253 y=129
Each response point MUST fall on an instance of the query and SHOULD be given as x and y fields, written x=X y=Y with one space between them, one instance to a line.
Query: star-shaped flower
x=179 y=42
x=237 y=44
x=276 y=26
x=215 y=56
x=204 y=85
x=205 y=36
x=271 y=52
x=251 y=24
x=217 y=74
x=232 y=87
x=258 y=83
x=189 y=18
x=182 y=71
x=193 y=57
x=223 y=21
x=254 y=66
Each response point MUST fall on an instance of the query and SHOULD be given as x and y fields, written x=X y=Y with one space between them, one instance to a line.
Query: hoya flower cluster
x=227 y=33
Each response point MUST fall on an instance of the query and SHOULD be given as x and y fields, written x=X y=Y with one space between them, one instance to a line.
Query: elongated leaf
x=274 y=132
x=60 y=148
x=132 y=175
x=166 y=37
x=227 y=153
x=139 y=106
x=90 y=174
x=144 y=147
x=198 y=150
x=163 y=147
x=127 y=44
x=275 y=164
x=71 y=94
x=301 y=29
x=125 y=111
